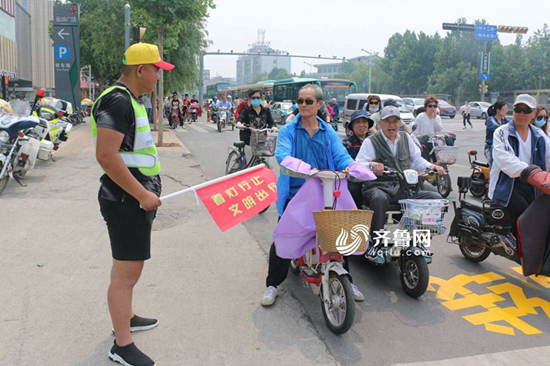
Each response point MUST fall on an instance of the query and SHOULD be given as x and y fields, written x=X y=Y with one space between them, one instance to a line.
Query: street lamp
x=370 y=64
x=310 y=66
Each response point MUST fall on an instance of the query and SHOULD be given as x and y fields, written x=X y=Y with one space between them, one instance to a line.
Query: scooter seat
x=485 y=165
x=239 y=144
x=476 y=205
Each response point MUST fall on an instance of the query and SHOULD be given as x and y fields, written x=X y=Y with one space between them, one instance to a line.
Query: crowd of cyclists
x=379 y=138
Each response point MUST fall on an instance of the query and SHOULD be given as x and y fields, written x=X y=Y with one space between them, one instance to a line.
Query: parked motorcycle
x=59 y=130
x=18 y=149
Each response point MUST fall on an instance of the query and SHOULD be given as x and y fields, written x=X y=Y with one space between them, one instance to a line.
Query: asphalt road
x=469 y=309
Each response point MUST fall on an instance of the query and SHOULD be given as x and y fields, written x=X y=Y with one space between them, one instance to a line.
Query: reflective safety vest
x=144 y=155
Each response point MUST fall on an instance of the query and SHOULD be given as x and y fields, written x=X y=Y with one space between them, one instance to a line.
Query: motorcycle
x=323 y=266
x=442 y=154
x=417 y=217
x=193 y=113
x=479 y=180
x=222 y=118
x=174 y=116
x=215 y=114
x=481 y=228
x=18 y=149
x=59 y=130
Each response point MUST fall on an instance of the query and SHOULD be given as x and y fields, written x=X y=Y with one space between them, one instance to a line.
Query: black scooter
x=481 y=228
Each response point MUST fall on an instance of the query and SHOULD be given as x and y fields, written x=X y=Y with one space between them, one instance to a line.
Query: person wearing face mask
x=373 y=105
x=497 y=117
x=541 y=119
x=256 y=116
x=516 y=145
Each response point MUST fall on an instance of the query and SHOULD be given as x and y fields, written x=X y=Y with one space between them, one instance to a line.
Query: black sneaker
x=138 y=324
x=129 y=355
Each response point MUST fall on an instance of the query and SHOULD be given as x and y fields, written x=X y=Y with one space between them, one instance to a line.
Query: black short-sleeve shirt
x=115 y=112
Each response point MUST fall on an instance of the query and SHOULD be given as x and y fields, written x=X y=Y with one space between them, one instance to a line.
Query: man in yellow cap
x=130 y=189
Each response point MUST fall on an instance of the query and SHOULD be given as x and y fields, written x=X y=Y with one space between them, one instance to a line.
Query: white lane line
x=212 y=126
x=196 y=128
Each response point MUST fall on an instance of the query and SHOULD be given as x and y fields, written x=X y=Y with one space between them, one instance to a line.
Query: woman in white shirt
x=428 y=123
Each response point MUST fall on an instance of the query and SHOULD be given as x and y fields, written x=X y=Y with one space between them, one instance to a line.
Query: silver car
x=477 y=109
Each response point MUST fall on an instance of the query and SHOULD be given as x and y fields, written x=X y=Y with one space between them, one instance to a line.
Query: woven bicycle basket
x=331 y=224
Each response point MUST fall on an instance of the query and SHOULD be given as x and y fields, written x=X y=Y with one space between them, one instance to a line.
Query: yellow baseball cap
x=144 y=54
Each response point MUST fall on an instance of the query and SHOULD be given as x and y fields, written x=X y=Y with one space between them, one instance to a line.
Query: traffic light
x=521 y=30
x=486 y=89
x=479 y=89
x=137 y=33
x=505 y=29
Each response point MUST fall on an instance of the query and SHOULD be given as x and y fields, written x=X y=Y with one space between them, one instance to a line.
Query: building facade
x=255 y=64
x=8 y=45
x=329 y=70
x=23 y=37
x=42 y=46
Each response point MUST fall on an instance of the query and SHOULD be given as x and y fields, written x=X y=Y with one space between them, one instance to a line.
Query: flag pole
x=214 y=181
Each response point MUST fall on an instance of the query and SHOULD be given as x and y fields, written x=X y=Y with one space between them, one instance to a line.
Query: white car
x=356 y=101
x=477 y=109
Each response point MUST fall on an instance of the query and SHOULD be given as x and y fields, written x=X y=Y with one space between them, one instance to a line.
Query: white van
x=356 y=101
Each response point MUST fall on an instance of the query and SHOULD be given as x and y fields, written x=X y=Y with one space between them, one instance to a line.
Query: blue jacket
x=501 y=184
x=492 y=124
x=338 y=157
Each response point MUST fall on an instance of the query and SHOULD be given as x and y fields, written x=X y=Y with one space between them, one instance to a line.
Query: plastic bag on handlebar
x=360 y=172
x=296 y=165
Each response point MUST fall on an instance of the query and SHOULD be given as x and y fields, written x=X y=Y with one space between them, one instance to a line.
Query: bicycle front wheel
x=232 y=163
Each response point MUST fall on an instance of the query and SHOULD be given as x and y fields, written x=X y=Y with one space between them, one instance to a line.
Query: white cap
x=526 y=99
x=390 y=111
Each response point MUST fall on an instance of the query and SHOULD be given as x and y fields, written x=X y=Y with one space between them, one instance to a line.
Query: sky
x=342 y=28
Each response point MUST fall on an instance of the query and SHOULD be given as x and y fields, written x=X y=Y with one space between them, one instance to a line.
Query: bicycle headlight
x=4 y=137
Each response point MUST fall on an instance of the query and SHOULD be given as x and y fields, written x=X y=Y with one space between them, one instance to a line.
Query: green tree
x=260 y=77
x=538 y=59
x=278 y=73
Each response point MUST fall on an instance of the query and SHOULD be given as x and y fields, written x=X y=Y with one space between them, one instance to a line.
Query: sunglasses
x=374 y=103
x=432 y=106
x=308 y=101
x=544 y=118
x=256 y=98
x=523 y=110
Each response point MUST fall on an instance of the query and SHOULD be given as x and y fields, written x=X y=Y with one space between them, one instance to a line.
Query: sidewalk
x=203 y=285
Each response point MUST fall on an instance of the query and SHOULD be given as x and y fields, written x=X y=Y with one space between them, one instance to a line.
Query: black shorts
x=129 y=228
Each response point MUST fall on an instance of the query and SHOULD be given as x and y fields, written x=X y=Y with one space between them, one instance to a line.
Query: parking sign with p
x=62 y=52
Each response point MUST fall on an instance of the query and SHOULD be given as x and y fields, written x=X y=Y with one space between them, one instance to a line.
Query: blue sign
x=364 y=79
x=486 y=32
x=62 y=52
x=494 y=94
x=364 y=84
x=484 y=76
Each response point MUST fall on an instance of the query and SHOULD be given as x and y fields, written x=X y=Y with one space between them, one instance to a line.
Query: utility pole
x=161 y=87
x=371 y=55
x=310 y=65
x=201 y=80
x=126 y=26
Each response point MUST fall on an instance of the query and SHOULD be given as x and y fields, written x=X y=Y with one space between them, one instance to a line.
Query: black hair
x=391 y=102
x=186 y=95
x=251 y=92
x=492 y=110
x=420 y=110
